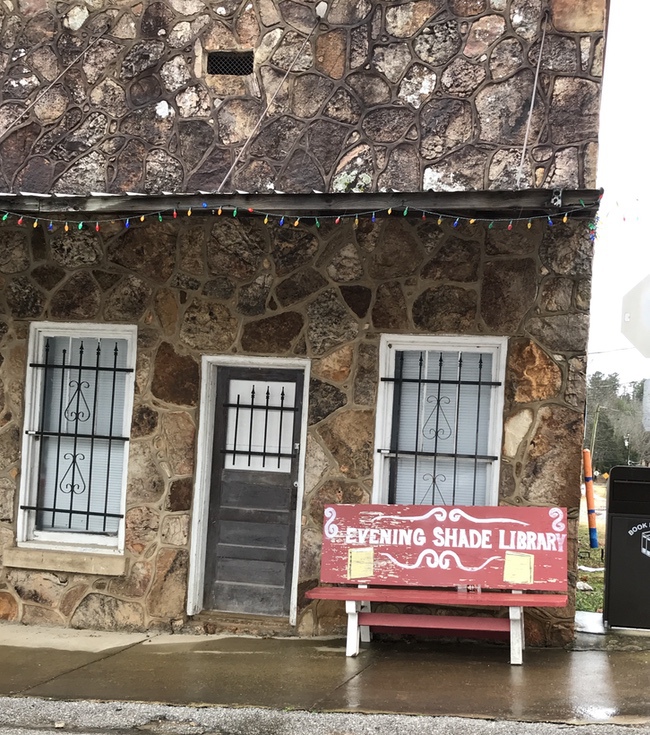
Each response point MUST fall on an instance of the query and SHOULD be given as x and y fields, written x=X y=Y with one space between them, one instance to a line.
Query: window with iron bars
x=440 y=421
x=80 y=389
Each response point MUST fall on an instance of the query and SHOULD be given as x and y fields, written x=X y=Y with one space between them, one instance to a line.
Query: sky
x=622 y=247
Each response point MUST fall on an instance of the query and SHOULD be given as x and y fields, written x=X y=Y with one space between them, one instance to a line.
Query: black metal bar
x=234 y=442
x=64 y=352
x=478 y=418
x=443 y=382
x=94 y=426
x=282 y=395
x=254 y=453
x=82 y=435
x=437 y=434
x=250 y=426
x=259 y=407
x=43 y=405
x=110 y=441
x=457 y=423
x=266 y=424
x=73 y=512
x=417 y=426
x=394 y=434
x=57 y=366
x=450 y=455
x=76 y=414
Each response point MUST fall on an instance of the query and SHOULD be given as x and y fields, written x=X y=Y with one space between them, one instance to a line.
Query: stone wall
x=223 y=285
x=428 y=94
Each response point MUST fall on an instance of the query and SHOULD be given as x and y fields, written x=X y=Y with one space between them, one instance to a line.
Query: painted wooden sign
x=498 y=547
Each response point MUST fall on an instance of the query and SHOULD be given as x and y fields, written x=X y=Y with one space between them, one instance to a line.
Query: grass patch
x=590 y=601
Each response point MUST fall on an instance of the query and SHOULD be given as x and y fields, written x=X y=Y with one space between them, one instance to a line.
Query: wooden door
x=253 y=490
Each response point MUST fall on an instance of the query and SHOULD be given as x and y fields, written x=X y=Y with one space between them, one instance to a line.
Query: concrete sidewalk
x=603 y=679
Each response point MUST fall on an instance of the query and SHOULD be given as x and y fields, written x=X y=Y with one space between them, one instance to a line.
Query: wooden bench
x=466 y=557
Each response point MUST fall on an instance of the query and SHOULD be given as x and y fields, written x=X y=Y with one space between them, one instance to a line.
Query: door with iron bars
x=253 y=490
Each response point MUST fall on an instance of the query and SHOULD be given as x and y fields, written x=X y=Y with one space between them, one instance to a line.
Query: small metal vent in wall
x=232 y=63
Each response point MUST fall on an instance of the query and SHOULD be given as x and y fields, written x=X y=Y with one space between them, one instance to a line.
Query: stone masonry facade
x=224 y=285
x=380 y=95
x=355 y=97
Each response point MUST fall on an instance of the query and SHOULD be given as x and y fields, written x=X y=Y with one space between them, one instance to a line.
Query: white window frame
x=393 y=343
x=27 y=535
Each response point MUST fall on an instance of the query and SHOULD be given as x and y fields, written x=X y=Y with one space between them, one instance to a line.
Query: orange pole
x=591 y=506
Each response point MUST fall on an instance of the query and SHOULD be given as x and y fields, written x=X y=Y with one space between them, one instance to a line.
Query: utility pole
x=594 y=429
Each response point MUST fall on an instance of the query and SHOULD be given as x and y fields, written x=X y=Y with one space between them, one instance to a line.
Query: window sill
x=109 y=565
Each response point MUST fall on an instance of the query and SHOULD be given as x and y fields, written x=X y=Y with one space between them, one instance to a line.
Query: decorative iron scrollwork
x=77 y=408
x=74 y=471
x=433 y=487
x=435 y=431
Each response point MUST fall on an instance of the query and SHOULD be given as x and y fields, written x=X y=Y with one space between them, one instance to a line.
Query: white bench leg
x=352 y=641
x=516 y=635
x=365 y=629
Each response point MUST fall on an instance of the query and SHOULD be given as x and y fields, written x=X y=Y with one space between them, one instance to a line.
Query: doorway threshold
x=211 y=622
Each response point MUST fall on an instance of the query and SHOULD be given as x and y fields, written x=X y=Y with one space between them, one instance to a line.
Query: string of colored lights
x=295 y=220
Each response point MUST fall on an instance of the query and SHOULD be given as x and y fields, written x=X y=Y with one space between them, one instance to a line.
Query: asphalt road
x=31 y=716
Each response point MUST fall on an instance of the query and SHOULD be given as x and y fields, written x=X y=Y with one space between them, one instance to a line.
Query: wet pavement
x=603 y=679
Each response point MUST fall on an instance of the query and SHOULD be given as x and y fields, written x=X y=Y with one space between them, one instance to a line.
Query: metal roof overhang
x=522 y=204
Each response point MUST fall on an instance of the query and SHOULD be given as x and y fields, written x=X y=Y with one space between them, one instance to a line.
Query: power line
x=608 y=352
